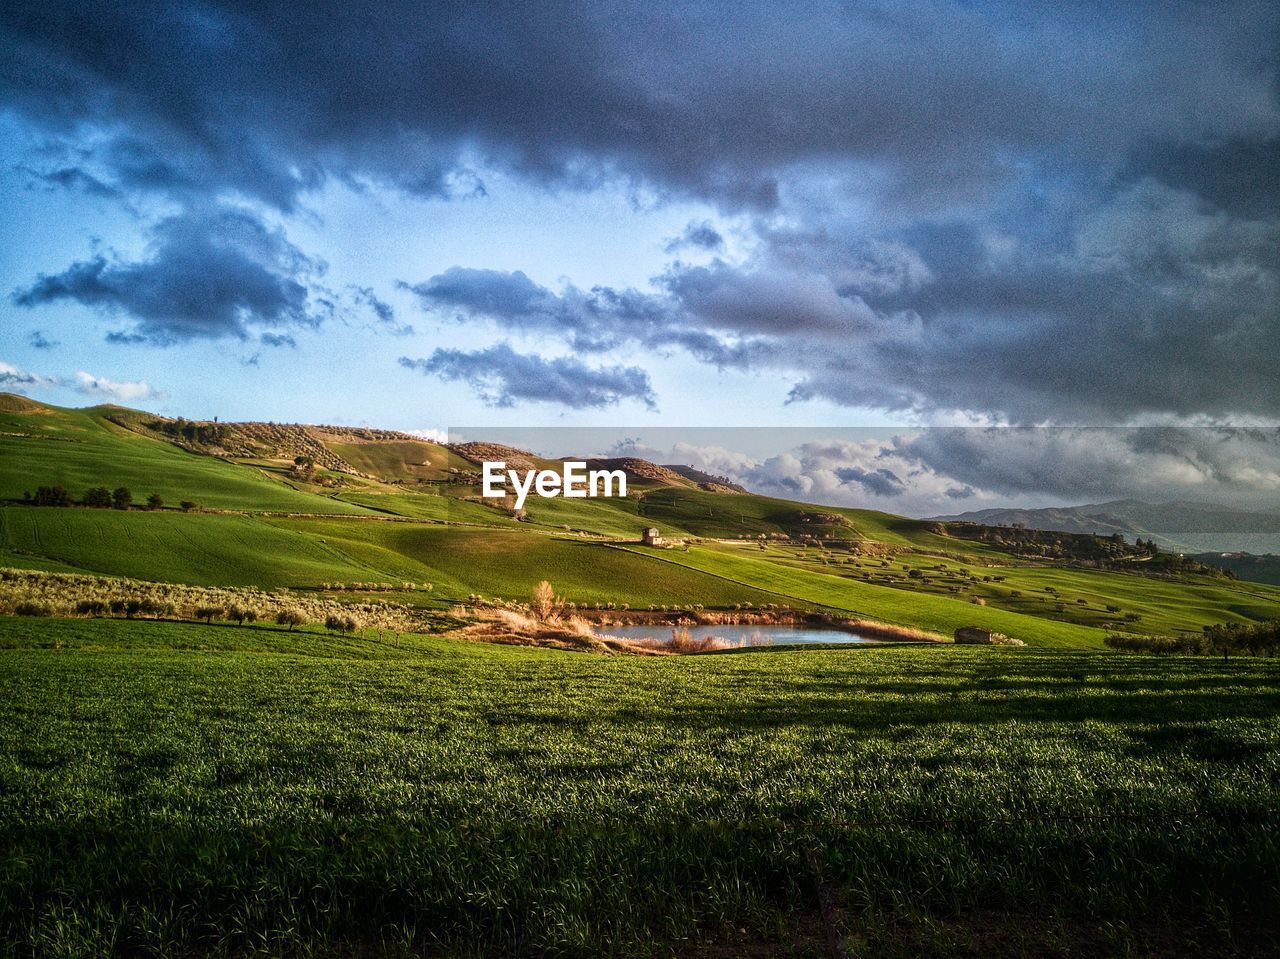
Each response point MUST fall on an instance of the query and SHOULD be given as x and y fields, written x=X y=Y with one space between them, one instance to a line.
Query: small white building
x=652 y=537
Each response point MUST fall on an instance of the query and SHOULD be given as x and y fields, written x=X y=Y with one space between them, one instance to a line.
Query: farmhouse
x=652 y=537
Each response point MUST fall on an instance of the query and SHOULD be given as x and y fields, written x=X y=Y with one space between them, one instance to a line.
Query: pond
x=744 y=635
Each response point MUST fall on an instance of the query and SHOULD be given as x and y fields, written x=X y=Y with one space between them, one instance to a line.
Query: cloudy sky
x=813 y=213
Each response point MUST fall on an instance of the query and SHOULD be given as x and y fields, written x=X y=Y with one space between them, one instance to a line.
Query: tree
x=99 y=497
x=208 y=613
x=290 y=618
x=52 y=496
x=543 y=602
x=154 y=501
x=187 y=505
x=122 y=498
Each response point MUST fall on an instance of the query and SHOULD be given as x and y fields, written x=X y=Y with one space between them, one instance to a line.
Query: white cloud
x=13 y=378
x=434 y=434
x=123 y=392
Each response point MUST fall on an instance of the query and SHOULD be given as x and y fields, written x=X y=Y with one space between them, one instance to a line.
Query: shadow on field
x=579 y=887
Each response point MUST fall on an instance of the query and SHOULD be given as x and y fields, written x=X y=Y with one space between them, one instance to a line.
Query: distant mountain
x=1183 y=526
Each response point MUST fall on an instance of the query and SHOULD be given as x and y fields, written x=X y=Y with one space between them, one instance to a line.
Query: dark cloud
x=1149 y=304
x=277 y=339
x=383 y=312
x=1032 y=212
x=502 y=377
x=72 y=178
x=935 y=102
x=593 y=321
x=700 y=236
x=1081 y=464
x=39 y=341
x=207 y=275
x=880 y=482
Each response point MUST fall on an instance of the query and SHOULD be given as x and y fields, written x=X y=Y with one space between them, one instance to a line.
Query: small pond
x=745 y=635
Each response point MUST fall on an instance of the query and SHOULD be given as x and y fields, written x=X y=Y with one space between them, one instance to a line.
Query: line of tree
x=203 y=434
x=1254 y=639
x=97 y=497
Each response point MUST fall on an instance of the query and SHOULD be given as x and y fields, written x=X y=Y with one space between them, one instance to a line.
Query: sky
x=812 y=214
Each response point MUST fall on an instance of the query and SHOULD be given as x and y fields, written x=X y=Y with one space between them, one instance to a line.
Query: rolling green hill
x=45 y=446
x=388 y=509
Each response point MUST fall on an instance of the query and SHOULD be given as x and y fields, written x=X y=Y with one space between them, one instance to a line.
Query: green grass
x=509 y=563
x=201 y=549
x=178 y=790
x=79 y=449
x=465 y=547
x=1165 y=605
x=900 y=606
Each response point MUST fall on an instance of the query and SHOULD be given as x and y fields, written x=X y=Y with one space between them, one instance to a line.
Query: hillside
x=355 y=511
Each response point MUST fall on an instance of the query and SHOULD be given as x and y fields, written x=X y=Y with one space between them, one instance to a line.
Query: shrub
x=544 y=603
x=290 y=618
x=122 y=498
x=52 y=496
x=91 y=607
x=154 y=501
x=99 y=497
x=32 y=609
x=187 y=506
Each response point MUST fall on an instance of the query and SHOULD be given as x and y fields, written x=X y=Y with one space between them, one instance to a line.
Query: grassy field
x=202 y=549
x=507 y=559
x=900 y=606
x=189 y=790
x=79 y=449
x=868 y=563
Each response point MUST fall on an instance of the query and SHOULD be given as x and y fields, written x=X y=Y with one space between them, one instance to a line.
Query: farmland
x=248 y=791
x=177 y=788
x=406 y=509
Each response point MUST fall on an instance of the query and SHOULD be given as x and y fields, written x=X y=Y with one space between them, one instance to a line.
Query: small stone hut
x=977 y=636
x=651 y=537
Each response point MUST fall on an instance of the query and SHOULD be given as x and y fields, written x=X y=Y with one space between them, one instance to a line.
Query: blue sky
x=828 y=214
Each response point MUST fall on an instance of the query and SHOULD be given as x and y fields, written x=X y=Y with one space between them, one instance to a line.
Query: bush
x=187 y=506
x=99 y=497
x=32 y=609
x=52 y=496
x=290 y=618
x=341 y=624
x=154 y=501
x=91 y=607
x=122 y=498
